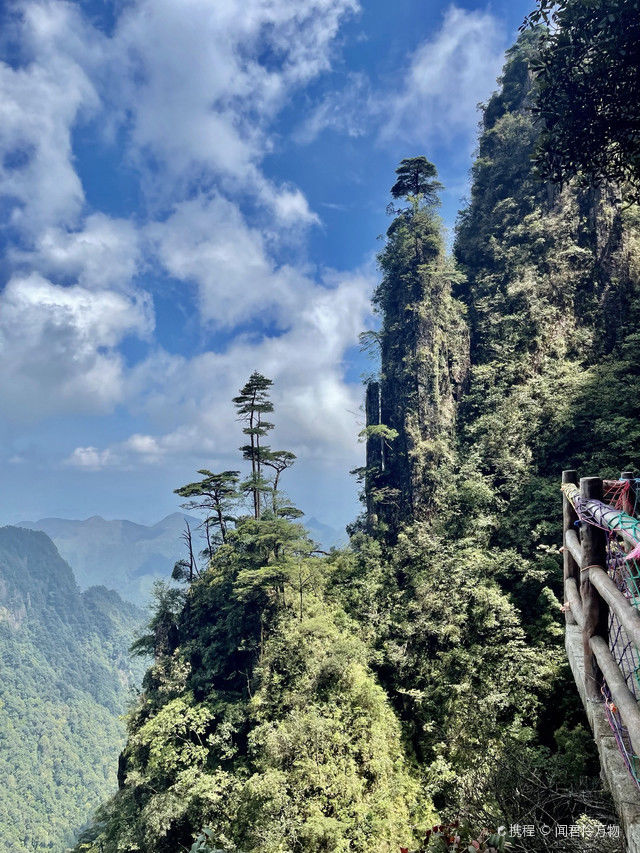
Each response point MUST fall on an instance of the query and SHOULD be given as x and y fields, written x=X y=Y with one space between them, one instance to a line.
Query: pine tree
x=417 y=180
x=278 y=461
x=251 y=404
x=217 y=495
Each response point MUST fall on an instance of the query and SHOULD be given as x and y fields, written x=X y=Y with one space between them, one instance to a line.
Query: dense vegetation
x=308 y=702
x=587 y=80
x=261 y=718
x=65 y=677
x=545 y=282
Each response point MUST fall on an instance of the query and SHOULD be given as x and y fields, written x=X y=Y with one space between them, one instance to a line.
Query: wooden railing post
x=595 y=611
x=571 y=568
x=629 y=503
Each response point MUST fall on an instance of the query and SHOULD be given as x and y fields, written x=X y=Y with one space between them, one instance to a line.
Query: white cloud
x=447 y=77
x=201 y=80
x=58 y=346
x=288 y=203
x=207 y=241
x=90 y=458
x=316 y=410
x=194 y=89
x=137 y=449
x=39 y=104
x=195 y=85
x=350 y=111
x=434 y=99
x=103 y=253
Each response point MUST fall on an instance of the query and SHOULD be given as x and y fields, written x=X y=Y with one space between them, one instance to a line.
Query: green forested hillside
x=307 y=702
x=261 y=718
x=65 y=677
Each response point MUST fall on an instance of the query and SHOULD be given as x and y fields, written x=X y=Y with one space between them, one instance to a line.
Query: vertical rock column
x=375 y=450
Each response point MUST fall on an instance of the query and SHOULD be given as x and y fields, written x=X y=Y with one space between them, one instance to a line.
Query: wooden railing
x=591 y=594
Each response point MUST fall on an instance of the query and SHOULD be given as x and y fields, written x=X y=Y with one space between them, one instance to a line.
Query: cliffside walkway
x=601 y=551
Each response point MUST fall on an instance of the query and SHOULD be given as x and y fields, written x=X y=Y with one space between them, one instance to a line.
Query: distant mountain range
x=122 y=555
x=128 y=557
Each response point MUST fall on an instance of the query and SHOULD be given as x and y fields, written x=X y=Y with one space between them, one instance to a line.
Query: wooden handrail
x=570 y=565
x=572 y=542
x=590 y=593
x=623 y=698
x=573 y=599
x=594 y=609
x=626 y=612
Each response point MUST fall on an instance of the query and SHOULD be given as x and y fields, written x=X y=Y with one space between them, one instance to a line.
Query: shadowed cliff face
x=12 y=611
x=65 y=676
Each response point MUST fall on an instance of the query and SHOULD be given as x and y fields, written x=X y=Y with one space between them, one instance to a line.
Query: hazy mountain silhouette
x=120 y=554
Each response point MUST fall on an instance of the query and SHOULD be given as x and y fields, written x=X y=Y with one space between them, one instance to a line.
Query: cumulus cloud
x=317 y=411
x=135 y=450
x=447 y=77
x=103 y=253
x=58 y=346
x=207 y=241
x=189 y=93
x=288 y=203
x=191 y=87
x=436 y=96
x=90 y=458
x=195 y=86
x=201 y=80
x=39 y=103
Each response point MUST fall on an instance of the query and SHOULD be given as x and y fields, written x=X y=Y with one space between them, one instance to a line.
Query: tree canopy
x=416 y=178
x=586 y=91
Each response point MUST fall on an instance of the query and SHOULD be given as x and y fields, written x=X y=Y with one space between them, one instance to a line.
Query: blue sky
x=191 y=190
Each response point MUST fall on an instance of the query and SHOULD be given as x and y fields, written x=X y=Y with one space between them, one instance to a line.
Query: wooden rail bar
x=623 y=698
x=572 y=542
x=573 y=599
x=571 y=565
x=601 y=514
x=626 y=613
x=594 y=609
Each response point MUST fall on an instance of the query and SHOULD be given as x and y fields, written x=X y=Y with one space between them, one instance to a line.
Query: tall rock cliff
x=411 y=411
